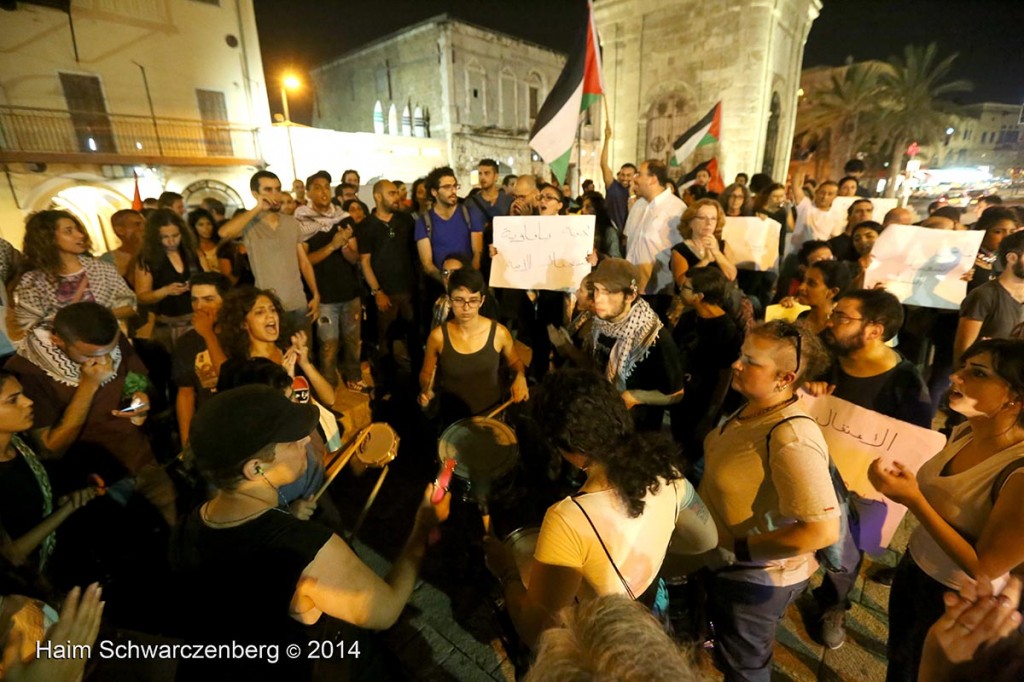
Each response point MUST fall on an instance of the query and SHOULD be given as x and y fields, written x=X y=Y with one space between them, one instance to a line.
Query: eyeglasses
x=550 y=197
x=842 y=318
x=467 y=303
x=448 y=188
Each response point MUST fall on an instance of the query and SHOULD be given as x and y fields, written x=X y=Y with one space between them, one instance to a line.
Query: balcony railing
x=28 y=134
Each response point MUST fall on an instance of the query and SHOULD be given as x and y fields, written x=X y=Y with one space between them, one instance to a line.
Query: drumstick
x=500 y=408
x=485 y=515
x=369 y=503
x=340 y=462
x=430 y=386
x=444 y=477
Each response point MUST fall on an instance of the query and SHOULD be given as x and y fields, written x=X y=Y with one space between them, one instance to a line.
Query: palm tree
x=845 y=113
x=914 y=88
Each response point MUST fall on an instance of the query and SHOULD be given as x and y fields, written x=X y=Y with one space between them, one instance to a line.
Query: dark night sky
x=988 y=34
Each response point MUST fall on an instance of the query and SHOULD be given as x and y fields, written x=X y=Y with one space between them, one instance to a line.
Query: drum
x=522 y=542
x=487 y=454
x=379 y=448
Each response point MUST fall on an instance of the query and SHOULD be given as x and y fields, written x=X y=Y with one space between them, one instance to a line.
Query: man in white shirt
x=813 y=218
x=652 y=230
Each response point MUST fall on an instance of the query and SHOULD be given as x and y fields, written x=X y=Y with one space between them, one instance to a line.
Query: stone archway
x=667 y=118
x=771 y=136
x=195 y=192
x=92 y=205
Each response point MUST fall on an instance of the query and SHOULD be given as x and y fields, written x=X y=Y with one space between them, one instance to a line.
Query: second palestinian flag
x=706 y=131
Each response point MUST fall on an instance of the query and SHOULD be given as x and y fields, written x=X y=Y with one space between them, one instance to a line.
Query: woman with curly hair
x=611 y=537
x=767 y=485
x=59 y=270
x=735 y=201
x=249 y=326
x=701 y=222
x=167 y=260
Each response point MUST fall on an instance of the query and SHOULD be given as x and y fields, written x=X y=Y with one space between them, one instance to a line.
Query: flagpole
x=579 y=160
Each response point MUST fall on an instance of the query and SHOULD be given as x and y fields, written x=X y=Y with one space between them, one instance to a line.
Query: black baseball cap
x=234 y=425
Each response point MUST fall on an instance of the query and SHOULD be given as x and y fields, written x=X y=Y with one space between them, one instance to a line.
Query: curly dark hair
x=580 y=411
x=234 y=339
x=40 y=246
x=153 y=252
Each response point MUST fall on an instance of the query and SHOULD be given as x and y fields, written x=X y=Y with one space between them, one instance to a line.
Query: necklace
x=206 y=517
x=766 y=410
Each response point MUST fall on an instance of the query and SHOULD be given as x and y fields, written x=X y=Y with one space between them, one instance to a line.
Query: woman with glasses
x=767 y=485
x=463 y=356
x=735 y=201
x=700 y=248
x=969 y=500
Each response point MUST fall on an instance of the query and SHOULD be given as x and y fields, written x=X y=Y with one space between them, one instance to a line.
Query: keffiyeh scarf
x=38 y=348
x=634 y=338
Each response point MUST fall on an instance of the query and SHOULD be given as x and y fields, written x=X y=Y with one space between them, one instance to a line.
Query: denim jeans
x=745 y=618
x=342 y=321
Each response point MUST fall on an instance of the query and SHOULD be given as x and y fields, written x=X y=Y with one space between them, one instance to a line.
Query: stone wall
x=673 y=61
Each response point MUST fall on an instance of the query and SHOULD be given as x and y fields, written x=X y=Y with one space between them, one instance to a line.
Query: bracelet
x=509 y=577
x=374 y=292
x=742 y=550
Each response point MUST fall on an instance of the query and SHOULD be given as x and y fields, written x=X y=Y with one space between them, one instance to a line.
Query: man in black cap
x=264 y=573
x=632 y=345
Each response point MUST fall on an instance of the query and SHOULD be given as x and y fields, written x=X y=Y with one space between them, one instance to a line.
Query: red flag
x=137 y=199
x=715 y=184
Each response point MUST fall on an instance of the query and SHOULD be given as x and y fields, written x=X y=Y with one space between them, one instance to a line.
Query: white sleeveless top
x=964 y=500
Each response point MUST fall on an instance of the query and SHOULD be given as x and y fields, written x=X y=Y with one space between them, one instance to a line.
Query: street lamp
x=289 y=82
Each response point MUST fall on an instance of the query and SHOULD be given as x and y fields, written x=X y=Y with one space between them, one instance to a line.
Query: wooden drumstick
x=339 y=463
x=500 y=408
x=369 y=503
x=430 y=386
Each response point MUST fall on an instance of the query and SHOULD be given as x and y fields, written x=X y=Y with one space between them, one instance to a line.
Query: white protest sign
x=751 y=243
x=542 y=252
x=856 y=437
x=841 y=207
x=922 y=266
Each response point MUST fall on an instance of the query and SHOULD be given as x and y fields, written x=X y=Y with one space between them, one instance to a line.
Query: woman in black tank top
x=463 y=357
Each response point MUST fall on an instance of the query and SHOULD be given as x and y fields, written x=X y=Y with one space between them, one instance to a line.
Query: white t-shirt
x=814 y=223
x=652 y=229
x=637 y=545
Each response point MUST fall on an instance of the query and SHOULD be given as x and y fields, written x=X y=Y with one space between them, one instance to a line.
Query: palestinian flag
x=705 y=131
x=579 y=86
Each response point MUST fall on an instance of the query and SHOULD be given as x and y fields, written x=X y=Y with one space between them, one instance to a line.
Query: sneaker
x=833 y=627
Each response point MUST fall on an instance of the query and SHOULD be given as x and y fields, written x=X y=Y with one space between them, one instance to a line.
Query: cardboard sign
x=752 y=243
x=542 y=252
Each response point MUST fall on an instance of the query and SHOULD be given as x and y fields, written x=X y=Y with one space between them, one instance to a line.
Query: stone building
x=987 y=134
x=172 y=90
x=477 y=89
x=667 y=63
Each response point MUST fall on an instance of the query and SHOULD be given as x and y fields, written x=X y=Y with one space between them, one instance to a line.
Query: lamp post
x=289 y=82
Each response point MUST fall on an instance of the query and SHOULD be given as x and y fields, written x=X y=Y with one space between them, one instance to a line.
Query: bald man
x=899 y=216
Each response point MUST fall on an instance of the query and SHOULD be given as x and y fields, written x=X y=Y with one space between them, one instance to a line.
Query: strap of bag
x=606 y=552
x=1003 y=476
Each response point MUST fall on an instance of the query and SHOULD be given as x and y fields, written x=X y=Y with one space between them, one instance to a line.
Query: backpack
x=430 y=226
x=830 y=557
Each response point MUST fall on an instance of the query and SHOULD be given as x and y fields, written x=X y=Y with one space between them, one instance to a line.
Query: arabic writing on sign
x=877 y=440
x=541 y=252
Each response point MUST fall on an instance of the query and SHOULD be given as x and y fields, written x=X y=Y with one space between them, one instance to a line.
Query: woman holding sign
x=969 y=500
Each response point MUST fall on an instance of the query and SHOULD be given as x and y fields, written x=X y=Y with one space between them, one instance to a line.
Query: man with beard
x=994 y=309
x=632 y=346
x=870 y=374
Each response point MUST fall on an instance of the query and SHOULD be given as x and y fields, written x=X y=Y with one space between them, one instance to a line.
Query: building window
x=213 y=110
x=88 y=109
x=667 y=119
x=533 y=98
x=476 y=94
x=507 y=99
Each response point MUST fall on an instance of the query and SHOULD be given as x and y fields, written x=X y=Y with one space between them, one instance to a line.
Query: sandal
x=358 y=386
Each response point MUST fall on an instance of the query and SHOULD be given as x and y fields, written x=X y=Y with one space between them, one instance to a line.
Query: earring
x=258 y=469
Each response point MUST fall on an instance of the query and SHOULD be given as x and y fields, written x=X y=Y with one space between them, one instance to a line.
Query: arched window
x=507 y=99
x=476 y=94
x=771 y=137
x=534 y=97
x=667 y=119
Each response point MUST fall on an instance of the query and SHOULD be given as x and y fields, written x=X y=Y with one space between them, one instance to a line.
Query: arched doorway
x=212 y=189
x=667 y=119
x=93 y=205
x=771 y=137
